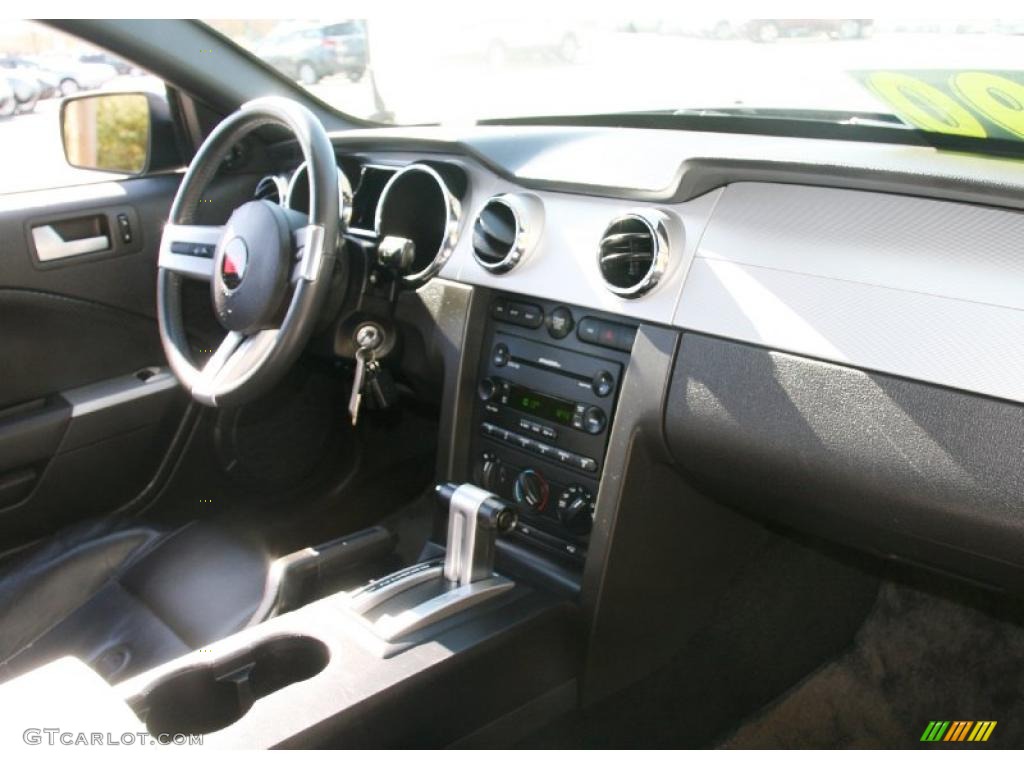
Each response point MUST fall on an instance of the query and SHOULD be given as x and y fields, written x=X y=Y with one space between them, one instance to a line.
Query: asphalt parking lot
x=612 y=72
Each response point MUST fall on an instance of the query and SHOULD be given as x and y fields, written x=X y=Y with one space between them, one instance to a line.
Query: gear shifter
x=475 y=518
x=414 y=599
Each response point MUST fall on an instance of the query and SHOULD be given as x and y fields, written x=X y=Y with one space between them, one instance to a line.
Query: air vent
x=506 y=230
x=633 y=253
x=270 y=188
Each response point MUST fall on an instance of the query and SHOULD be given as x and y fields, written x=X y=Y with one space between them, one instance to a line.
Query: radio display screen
x=542 y=406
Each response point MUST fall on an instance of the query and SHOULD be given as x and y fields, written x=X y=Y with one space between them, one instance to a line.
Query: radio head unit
x=545 y=406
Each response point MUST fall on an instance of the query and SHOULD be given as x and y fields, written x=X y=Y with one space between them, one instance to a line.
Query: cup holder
x=204 y=699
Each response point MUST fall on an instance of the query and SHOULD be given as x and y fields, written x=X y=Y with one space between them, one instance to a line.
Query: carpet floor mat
x=928 y=651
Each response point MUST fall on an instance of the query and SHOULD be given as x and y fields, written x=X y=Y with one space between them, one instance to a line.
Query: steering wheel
x=268 y=267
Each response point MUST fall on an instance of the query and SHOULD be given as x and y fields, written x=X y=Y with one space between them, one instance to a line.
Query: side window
x=38 y=68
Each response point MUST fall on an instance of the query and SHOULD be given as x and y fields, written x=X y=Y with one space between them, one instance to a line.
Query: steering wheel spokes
x=188 y=250
x=308 y=242
x=233 y=359
x=268 y=267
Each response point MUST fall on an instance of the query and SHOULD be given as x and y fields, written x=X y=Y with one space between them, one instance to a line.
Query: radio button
x=492 y=430
x=549 y=433
x=602 y=384
x=606 y=334
x=533 y=316
x=526 y=315
x=560 y=323
x=500 y=356
x=594 y=420
x=522 y=441
x=589 y=330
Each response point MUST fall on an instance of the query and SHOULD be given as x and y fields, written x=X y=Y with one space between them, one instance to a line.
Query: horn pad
x=251 y=268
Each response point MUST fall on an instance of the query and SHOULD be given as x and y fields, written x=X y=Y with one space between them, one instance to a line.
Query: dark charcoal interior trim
x=895 y=466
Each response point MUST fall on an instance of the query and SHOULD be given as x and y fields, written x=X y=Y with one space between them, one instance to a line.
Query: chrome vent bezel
x=528 y=221
x=278 y=186
x=656 y=224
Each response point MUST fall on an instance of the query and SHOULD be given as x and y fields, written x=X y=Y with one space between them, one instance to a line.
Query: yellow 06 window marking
x=999 y=99
x=924 y=105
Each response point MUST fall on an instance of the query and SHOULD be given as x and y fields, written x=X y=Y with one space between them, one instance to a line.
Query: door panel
x=87 y=408
x=122 y=277
x=52 y=342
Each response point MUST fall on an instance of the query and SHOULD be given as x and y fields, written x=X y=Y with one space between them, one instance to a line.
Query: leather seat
x=126 y=598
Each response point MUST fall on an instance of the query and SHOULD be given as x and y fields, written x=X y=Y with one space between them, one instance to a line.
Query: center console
x=547 y=390
x=356 y=669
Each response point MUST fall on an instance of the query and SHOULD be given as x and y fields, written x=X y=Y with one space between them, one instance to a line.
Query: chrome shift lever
x=408 y=602
x=475 y=518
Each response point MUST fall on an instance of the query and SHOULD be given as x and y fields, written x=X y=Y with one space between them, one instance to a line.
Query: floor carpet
x=929 y=650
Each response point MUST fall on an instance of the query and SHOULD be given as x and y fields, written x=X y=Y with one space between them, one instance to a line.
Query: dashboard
x=895 y=281
x=861 y=303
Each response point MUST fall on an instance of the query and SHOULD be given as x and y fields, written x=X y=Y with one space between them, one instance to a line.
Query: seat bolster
x=113 y=632
x=204 y=581
x=43 y=585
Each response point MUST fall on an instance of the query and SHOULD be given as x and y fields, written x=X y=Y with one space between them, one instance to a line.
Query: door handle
x=51 y=246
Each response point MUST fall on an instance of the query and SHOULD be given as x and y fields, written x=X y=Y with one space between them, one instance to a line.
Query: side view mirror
x=127 y=133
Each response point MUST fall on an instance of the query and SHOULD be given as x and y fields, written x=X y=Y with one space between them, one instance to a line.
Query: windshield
x=962 y=78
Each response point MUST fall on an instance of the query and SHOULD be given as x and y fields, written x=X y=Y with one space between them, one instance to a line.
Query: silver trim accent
x=469 y=555
x=528 y=214
x=50 y=246
x=657 y=224
x=234 y=361
x=198 y=267
x=344 y=193
x=279 y=182
x=367 y=598
x=122 y=389
x=311 y=239
x=453 y=213
x=448 y=603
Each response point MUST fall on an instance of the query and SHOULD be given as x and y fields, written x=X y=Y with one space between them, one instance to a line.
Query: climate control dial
x=575 y=510
x=532 y=489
